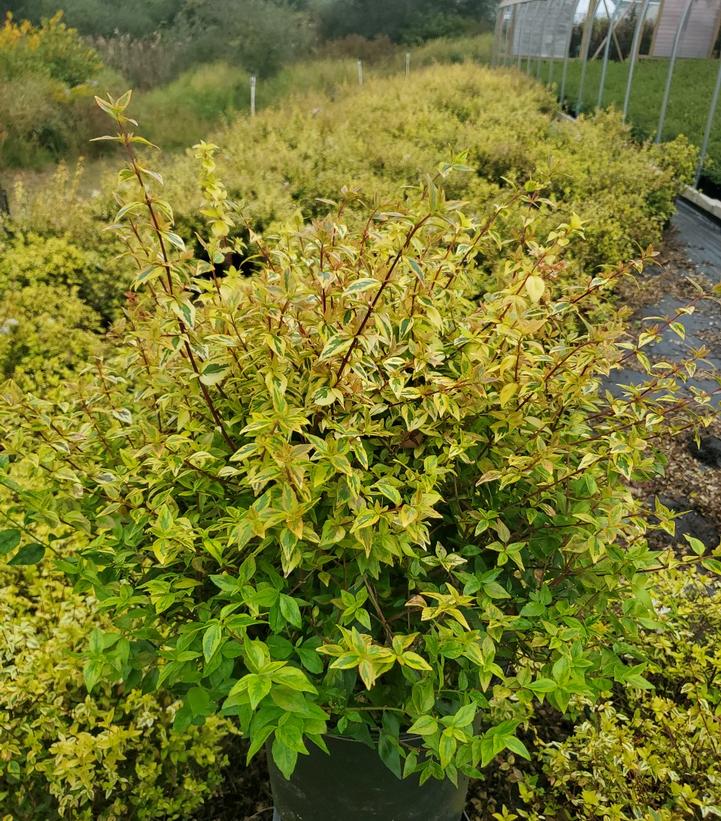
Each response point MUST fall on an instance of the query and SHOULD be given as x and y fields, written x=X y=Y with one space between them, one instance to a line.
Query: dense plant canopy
x=375 y=139
x=654 y=750
x=105 y=757
x=44 y=73
x=399 y=19
x=332 y=450
x=378 y=487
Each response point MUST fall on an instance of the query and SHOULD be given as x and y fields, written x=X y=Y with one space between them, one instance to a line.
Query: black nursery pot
x=353 y=784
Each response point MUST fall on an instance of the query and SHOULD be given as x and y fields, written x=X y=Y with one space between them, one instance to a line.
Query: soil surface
x=690 y=257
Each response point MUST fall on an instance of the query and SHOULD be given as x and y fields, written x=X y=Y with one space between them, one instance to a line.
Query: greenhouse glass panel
x=700 y=33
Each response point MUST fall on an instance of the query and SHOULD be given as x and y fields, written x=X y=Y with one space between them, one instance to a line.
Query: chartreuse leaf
x=284 y=757
x=211 y=640
x=425 y=725
x=535 y=286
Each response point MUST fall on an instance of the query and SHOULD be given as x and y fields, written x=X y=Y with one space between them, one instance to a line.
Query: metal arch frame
x=680 y=30
x=585 y=48
x=613 y=21
x=510 y=36
x=531 y=11
x=541 y=42
x=709 y=126
x=532 y=7
x=567 y=53
x=635 y=49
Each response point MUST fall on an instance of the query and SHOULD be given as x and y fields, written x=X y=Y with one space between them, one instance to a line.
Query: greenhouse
x=546 y=32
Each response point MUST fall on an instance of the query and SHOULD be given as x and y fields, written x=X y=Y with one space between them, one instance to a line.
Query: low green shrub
x=46 y=335
x=111 y=756
x=376 y=139
x=377 y=487
x=187 y=108
x=29 y=259
x=57 y=294
x=648 y=754
x=453 y=50
x=51 y=49
x=67 y=202
x=46 y=107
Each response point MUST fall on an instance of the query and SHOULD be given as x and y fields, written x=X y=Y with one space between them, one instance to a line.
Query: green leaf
x=712 y=565
x=515 y=745
x=414 y=661
x=211 y=640
x=290 y=701
x=294 y=678
x=389 y=753
x=258 y=739
x=290 y=610
x=9 y=540
x=488 y=750
x=256 y=654
x=92 y=673
x=543 y=685
x=447 y=748
x=28 y=554
x=258 y=689
x=364 y=519
x=425 y=725
x=494 y=591
x=310 y=659
x=698 y=547
x=465 y=716
x=638 y=682
x=199 y=702
x=391 y=492
x=284 y=758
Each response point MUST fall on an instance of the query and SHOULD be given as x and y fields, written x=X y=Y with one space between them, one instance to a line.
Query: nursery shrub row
x=429 y=461
x=376 y=139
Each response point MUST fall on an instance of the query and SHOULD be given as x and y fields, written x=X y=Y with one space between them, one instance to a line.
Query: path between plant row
x=691 y=253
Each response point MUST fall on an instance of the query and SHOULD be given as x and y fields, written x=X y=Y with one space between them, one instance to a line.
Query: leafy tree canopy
x=401 y=20
x=103 y=17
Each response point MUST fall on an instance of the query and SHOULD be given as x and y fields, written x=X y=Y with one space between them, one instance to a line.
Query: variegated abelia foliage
x=380 y=486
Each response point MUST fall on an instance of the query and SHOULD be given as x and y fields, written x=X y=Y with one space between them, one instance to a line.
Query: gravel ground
x=686 y=266
x=688 y=259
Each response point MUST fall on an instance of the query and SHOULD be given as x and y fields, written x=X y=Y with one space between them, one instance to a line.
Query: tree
x=401 y=20
x=260 y=35
x=104 y=17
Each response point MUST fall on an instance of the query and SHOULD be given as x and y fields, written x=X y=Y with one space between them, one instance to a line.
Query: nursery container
x=353 y=784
